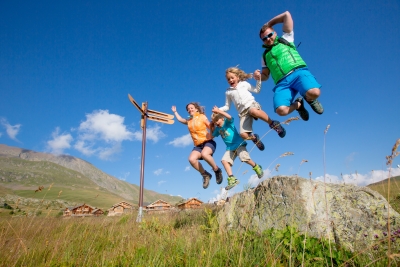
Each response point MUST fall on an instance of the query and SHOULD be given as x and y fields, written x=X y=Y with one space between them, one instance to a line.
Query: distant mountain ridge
x=124 y=189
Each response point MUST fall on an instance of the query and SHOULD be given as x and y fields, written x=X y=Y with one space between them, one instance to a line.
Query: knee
x=282 y=110
x=313 y=93
x=192 y=160
x=244 y=135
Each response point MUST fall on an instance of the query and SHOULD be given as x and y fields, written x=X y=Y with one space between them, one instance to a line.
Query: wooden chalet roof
x=160 y=201
x=77 y=206
x=124 y=204
x=191 y=199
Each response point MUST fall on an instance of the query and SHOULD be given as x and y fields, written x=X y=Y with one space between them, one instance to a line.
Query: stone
x=348 y=215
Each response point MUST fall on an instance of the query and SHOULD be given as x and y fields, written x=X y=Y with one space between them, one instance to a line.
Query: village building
x=158 y=206
x=82 y=210
x=191 y=203
x=120 y=208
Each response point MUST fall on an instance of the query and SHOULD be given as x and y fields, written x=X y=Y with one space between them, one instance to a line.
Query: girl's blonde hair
x=197 y=106
x=243 y=76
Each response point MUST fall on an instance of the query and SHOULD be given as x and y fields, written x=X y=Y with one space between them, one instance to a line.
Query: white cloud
x=102 y=134
x=161 y=182
x=254 y=180
x=60 y=142
x=12 y=130
x=360 y=179
x=158 y=172
x=1 y=134
x=187 y=168
x=153 y=133
x=182 y=141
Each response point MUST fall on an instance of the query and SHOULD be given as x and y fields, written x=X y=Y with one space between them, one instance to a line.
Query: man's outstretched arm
x=285 y=18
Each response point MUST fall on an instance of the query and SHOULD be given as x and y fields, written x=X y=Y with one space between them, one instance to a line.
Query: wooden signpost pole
x=155 y=116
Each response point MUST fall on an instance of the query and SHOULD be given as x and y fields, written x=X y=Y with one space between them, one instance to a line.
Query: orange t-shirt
x=198 y=128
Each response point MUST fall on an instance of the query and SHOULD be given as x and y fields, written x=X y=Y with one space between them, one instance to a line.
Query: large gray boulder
x=349 y=215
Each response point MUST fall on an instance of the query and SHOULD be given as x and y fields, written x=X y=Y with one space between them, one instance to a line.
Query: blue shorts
x=210 y=143
x=300 y=81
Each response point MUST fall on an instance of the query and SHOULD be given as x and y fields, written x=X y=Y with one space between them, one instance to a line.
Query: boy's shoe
x=276 y=125
x=258 y=142
x=218 y=176
x=302 y=110
x=232 y=182
x=316 y=106
x=206 y=179
x=259 y=171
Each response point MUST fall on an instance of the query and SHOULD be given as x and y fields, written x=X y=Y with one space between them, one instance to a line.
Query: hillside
x=382 y=188
x=71 y=179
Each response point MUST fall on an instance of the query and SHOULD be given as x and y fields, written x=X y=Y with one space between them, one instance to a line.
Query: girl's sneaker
x=232 y=182
x=276 y=125
x=258 y=142
x=206 y=178
x=259 y=171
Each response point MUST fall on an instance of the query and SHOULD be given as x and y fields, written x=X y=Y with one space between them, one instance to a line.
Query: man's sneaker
x=259 y=171
x=316 y=106
x=232 y=182
x=206 y=179
x=258 y=142
x=276 y=125
x=302 y=110
x=218 y=176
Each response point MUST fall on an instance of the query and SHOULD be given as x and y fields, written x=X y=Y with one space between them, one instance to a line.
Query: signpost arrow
x=155 y=116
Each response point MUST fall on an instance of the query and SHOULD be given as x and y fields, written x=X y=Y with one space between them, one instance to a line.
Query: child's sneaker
x=206 y=179
x=232 y=182
x=316 y=106
x=258 y=142
x=259 y=171
x=302 y=110
x=276 y=125
x=218 y=176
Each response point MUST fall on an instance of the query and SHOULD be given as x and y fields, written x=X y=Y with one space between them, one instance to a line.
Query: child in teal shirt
x=223 y=124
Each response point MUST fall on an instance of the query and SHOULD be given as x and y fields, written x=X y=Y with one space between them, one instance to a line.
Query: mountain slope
x=22 y=169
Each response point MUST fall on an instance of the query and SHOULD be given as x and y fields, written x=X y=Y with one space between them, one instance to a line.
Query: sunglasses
x=269 y=35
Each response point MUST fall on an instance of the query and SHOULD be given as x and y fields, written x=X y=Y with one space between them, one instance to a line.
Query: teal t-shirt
x=230 y=135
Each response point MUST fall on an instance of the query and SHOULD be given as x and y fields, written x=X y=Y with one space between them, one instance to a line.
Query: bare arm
x=223 y=113
x=178 y=117
x=285 y=18
x=265 y=74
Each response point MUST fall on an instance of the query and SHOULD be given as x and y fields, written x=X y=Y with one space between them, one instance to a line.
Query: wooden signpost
x=154 y=116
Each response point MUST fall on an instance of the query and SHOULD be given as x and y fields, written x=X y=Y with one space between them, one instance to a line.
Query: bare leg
x=251 y=163
x=284 y=110
x=312 y=94
x=194 y=161
x=227 y=167
x=206 y=153
x=260 y=114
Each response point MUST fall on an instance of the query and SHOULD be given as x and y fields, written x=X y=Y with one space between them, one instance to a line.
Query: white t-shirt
x=288 y=36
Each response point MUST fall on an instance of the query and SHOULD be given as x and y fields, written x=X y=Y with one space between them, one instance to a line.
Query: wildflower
x=384 y=233
x=376 y=236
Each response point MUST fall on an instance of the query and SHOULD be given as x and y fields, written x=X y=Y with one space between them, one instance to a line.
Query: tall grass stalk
x=326 y=200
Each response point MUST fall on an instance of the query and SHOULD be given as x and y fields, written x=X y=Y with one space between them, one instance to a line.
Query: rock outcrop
x=346 y=214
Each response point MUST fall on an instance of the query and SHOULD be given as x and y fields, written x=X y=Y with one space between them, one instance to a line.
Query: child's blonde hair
x=243 y=76
x=197 y=106
x=216 y=116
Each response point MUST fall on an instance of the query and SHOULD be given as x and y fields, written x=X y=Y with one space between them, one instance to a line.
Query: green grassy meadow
x=172 y=239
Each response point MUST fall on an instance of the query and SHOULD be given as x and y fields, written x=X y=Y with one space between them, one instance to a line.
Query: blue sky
x=66 y=68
